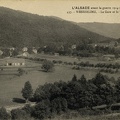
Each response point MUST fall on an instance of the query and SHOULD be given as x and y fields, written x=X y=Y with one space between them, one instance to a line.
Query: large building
x=15 y=62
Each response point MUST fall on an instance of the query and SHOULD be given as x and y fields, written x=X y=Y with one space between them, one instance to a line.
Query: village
x=16 y=57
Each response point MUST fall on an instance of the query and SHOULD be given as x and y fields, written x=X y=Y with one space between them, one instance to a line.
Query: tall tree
x=99 y=79
x=27 y=91
x=74 y=78
x=83 y=80
x=117 y=90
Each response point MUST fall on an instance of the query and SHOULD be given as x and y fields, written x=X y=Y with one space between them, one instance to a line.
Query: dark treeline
x=98 y=65
x=83 y=49
x=81 y=93
x=77 y=94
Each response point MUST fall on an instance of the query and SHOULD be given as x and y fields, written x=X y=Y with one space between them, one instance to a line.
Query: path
x=12 y=107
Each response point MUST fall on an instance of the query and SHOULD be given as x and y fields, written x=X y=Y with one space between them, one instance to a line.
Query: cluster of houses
x=109 y=44
x=23 y=52
x=17 y=62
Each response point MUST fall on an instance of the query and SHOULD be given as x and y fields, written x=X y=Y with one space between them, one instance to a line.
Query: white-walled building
x=15 y=62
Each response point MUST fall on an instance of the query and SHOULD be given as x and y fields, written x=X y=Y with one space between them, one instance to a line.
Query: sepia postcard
x=59 y=60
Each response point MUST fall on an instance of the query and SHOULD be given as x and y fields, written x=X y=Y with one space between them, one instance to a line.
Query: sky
x=70 y=9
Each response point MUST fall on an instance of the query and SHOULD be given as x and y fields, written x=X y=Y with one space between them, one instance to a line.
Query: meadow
x=92 y=60
x=11 y=84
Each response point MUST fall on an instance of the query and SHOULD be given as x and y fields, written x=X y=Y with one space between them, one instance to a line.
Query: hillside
x=23 y=29
x=105 y=29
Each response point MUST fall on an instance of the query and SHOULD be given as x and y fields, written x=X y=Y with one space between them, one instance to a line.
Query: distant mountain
x=106 y=29
x=24 y=29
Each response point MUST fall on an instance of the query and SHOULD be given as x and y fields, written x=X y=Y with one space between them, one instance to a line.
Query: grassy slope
x=11 y=88
x=11 y=85
x=106 y=29
x=24 y=29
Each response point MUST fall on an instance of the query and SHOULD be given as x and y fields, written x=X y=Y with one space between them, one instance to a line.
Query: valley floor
x=12 y=84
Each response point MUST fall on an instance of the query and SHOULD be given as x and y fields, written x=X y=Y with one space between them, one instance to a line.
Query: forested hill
x=23 y=29
x=105 y=29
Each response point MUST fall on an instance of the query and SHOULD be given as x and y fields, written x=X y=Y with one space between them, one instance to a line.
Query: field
x=93 y=60
x=11 y=84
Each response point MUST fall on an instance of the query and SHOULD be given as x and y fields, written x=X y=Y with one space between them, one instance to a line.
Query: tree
x=74 y=78
x=83 y=80
x=3 y=114
x=73 y=91
x=58 y=105
x=47 y=65
x=28 y=109
x=85 y=99
x=47 y=91
x=99 y=79
x=106 y=93
x=42 y=110
x=21 y=71
x=19 y=114
x=117 y=90
x=27 y=91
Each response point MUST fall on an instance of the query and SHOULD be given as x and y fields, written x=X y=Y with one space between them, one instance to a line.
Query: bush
x=18 y=114
x=28 y=109
x=48 y=91
x=21 y=71
x=58 y=105
x=3 y=114
x=42 y=110
x=47 y=65
x=87 y=111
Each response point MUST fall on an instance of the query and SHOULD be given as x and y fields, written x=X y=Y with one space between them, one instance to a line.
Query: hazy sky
x=60 y=8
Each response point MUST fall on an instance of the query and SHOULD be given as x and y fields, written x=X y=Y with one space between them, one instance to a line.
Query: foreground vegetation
x=79 y=95
x=23 y=114
x=79 y=117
